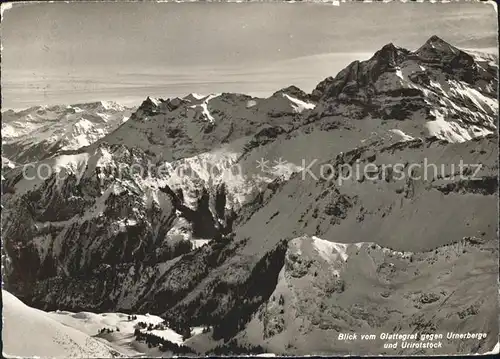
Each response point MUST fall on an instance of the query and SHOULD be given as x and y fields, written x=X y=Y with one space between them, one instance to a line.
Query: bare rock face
x=283 y=221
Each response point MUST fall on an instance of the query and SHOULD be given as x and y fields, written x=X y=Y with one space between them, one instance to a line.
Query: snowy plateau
x=231 y=258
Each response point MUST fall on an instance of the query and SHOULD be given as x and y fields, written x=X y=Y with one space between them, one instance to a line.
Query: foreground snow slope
x=90 y=323
x=27 y=332
x=122 y=328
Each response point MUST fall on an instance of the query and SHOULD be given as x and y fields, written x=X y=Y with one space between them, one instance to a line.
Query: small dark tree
x=186 y=334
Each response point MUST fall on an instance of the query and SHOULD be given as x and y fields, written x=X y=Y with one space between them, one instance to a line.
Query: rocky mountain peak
x=437 y=49
x=361 y=74
x=436 y=42
x=396 y=83
x=390 y=54
x=293 y=91
x=440 y=54
x=150 y=103
x=148 y=107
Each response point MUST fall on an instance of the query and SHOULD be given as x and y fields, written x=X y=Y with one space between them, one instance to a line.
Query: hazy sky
x=72 y=52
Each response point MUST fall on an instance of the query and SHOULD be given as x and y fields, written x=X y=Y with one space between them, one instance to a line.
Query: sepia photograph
x=249 y=178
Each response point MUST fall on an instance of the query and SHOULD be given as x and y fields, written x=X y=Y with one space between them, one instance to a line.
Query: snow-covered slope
x=325 y=288
x=29 y=332
x=122 y=328
x=43 y=131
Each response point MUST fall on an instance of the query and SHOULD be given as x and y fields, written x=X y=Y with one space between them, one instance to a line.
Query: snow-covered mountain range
x=216 y=210
x=43 y=131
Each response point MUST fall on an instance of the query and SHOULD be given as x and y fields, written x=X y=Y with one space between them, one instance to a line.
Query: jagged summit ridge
x=429 y=85
x=389 y=57
x=394 y=84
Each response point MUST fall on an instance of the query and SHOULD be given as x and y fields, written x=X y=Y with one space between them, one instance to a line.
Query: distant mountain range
x=43 y=131
x=235 y=235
